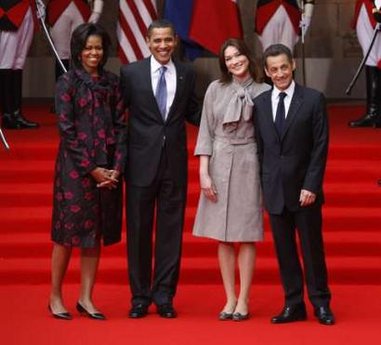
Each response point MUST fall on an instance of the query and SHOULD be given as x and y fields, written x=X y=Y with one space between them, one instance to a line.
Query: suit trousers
x=162 y=202
x=307 y=222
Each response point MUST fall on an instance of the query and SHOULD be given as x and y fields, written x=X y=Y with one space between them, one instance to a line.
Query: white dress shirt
x=287 y=100
x=170 y=79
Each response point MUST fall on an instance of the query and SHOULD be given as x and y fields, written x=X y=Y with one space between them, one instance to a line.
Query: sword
x=41 y=15
x=303 y=30
x=377 y=16
x=4 y=140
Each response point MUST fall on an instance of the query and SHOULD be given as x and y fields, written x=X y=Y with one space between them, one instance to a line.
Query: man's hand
x=306 y=198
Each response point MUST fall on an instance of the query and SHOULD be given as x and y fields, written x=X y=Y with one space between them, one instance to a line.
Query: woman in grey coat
x=230 y=205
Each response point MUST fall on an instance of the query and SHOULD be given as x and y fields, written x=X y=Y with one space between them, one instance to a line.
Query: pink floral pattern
x=92 y=132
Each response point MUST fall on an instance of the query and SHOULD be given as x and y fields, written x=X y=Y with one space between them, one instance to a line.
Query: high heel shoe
x=95 y=316
x=61 y=316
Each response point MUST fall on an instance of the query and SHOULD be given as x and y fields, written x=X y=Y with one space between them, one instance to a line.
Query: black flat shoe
x=224 y=316
x=240 y=317
x=95 y=316
x=61 y=316
x=166 y=311
x=324 y=316
x=138 y=311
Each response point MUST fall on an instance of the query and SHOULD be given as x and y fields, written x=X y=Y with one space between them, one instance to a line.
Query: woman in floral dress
x=87 y=205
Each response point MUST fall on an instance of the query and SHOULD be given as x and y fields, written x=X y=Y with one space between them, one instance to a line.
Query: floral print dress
x=92 y=134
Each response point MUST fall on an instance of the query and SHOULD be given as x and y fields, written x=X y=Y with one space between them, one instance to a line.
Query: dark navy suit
x=291 y=162
x=156 y=179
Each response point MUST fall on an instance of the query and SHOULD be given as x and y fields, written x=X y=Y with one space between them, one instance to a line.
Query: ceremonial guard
x=16 y=32
x=63 y=17
x=281 y=21
x=365 y=21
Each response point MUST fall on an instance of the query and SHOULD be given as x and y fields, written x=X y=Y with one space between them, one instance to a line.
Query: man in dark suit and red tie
x=292 y=134
x=159 y=94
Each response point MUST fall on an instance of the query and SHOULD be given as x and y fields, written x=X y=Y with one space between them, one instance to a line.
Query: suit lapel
x=268 y=119
x=180 y=80
x=295 y=104
x=146 y=75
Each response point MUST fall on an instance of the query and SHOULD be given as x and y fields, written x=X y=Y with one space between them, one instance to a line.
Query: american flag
x=134 y=18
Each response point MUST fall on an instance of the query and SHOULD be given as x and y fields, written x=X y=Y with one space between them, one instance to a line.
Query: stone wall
x=331 y=50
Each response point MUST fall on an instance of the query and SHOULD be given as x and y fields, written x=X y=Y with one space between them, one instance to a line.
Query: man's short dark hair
x=161 y=24
x=276 y=50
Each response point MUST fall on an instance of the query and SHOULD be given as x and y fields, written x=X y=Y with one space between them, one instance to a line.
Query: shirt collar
x=289 y=91
x=155 y=65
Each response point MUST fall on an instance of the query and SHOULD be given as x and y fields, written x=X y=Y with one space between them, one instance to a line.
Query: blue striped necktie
x=161 y=92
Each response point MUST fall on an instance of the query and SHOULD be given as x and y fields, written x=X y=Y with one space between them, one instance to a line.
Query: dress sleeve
x=120 y=129
x=72 y=140
x=204 y=144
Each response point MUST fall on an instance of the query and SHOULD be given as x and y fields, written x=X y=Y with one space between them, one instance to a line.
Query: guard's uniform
x=63 y=17
x=17 y=23
x=364 y=23
x=279 y=21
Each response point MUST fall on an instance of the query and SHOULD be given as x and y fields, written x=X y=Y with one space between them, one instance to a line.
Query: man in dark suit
x=157 y=168
x=292 y=134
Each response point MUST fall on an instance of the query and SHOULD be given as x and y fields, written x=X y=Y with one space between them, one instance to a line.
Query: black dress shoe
x=61 y=316
x=291 y=313
x=240 y=317
x=17 y=121
x=325 y=316
x=96 y=316
x=366 y=121
x=166 y=310
x=224 y=316
x=138 y=311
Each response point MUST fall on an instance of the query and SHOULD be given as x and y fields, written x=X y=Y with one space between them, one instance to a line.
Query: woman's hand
x=105 y=178
x=208 y=187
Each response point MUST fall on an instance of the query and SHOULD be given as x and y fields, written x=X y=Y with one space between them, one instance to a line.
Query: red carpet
x=351 y=230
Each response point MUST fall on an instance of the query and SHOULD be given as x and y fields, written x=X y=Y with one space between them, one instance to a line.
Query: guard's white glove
x=306 y=17
x=305 y=23
x=41 y=9
x=96 y=11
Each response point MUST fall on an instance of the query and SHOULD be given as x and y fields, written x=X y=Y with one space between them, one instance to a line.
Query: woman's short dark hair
x=241 y=46
x=276 y=50
x=79 y=38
